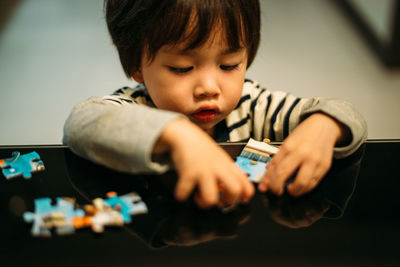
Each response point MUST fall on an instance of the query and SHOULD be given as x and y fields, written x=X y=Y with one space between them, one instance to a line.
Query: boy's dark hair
x=136 y=25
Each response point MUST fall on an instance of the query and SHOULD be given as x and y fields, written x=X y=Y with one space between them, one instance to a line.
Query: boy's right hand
x=201 y=163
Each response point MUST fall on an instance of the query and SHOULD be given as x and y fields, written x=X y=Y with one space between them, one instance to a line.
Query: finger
x=232 y=189
x=208 y=193
x=321 y=166
x=282 y=173
x=282 y=153
x=312 y=183
x=199 y=201
x=263 y=185
x=271 y=169
x=183 y=188
x=240 y=188
x=317 y=177
x=304 y=180
x=247 y=187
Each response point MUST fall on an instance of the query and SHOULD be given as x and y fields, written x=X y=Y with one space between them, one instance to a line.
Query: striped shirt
x=119 y=130
x=259 y=114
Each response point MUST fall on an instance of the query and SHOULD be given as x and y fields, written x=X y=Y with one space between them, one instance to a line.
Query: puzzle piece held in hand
x=46 y=216
x=260 y=151
x=21 y=165
x=254 y=158
x=255 y=169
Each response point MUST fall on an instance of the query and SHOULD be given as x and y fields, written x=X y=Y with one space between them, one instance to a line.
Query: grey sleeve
x=120 y=137
x=345 y=113
x=276 y=114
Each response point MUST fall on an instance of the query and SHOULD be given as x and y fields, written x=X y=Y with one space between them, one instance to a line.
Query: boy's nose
x=207 y=86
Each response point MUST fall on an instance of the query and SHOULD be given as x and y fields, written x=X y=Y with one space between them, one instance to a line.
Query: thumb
x=263 y=185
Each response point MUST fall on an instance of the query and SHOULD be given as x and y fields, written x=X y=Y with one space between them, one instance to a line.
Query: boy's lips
x=206 y=113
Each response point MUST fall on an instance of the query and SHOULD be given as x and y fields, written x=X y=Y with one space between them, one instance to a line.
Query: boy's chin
x=207 y=127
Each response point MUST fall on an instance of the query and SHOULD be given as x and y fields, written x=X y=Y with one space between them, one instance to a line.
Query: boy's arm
x=326 y=128
x=343 y=112
x=313 y=130
x=309 y=150
x=275 y=114
x=125 y=137
x=120 y=137
x=202 y=164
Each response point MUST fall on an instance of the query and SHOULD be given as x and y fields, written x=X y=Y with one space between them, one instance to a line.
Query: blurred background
x=56 y=53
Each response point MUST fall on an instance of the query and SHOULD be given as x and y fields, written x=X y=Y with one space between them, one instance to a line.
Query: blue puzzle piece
x=255 y=169
x=47 y=216
x=21 y=165
x=131 y=204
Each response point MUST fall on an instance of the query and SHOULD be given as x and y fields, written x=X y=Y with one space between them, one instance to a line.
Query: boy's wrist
x=170 y=135
x=341 y=133
x=345 y=135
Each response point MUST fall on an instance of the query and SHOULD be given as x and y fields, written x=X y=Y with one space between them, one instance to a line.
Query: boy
x=190 y=58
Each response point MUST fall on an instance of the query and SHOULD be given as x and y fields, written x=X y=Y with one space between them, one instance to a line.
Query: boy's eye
x=180 y=70
x=229 y=67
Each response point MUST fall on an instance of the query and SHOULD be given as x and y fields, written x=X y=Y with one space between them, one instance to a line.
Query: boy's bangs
x=142 y=27
x=193 y=23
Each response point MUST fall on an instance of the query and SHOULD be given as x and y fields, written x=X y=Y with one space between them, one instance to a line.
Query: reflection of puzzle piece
x=131 y=204
x=47 y=216
x=255 y=169
x=21 y=165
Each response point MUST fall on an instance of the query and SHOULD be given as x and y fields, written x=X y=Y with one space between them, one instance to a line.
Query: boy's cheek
x=173 y=102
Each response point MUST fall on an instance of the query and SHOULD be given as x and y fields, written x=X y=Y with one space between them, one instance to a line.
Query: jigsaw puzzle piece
x=62 y=217
x=21 y=165
x=42 y=207
x=255 y=169
x=259 y=151
x=104 y=215
x=134 y=203
x=46 y=216
x=65 y=218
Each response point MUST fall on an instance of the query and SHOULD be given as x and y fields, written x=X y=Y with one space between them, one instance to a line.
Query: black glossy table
x=351 y=219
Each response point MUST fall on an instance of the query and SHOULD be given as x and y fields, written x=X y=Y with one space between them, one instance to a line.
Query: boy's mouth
x=205 y=114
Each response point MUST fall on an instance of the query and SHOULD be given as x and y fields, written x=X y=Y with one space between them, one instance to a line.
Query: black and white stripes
x=263 y=114
x=259 y=114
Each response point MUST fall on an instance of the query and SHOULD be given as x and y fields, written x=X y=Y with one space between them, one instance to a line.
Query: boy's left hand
x=308 y=149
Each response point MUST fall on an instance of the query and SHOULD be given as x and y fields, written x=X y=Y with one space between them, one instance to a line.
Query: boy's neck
x=211 y=132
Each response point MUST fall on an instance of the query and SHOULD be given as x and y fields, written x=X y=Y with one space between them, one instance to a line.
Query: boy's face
x=205 y=83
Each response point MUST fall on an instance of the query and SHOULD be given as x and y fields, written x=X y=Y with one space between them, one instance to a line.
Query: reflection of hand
x=329 y=199
x=201 y=163
x=309 y=149
x=296 y=213
x=189 y=227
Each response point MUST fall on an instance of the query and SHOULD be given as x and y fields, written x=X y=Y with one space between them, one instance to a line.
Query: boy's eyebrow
x=186 y=52
x=232 y=50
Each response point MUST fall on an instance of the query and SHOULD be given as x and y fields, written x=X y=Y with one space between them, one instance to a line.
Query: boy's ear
x=138 y=76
